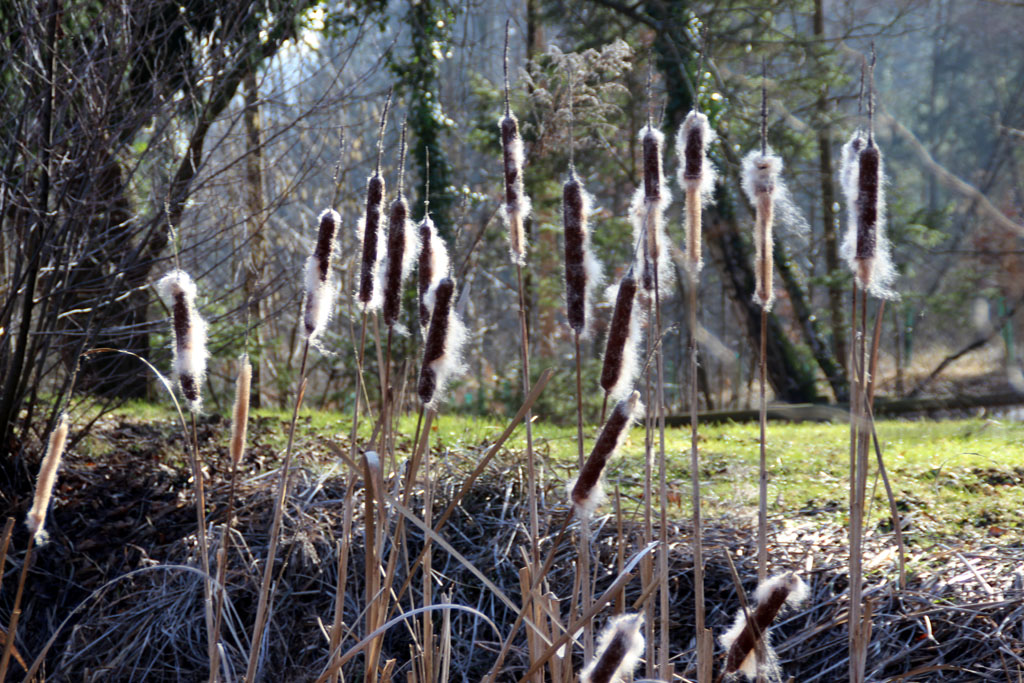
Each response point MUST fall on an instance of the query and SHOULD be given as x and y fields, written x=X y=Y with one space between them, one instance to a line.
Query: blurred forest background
x=142 y=132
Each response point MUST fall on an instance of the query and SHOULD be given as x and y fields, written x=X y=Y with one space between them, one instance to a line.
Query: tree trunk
x=828 y=216
x=254 y=226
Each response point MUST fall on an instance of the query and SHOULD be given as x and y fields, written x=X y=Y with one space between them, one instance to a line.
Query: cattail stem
x=275 y=529
x=238 y=431
x=531 y=473
x=587 y=586
x=762 y=503
x=204 y=548
x=12 y=625
x=703 y=636
x=664 y=662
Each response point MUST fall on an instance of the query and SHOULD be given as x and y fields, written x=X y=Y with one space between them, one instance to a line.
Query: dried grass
x=960 y=619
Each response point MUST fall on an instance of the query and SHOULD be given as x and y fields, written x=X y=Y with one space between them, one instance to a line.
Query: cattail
x=442 y=353
x=36 y=519
x=189 y=335
x=433 y=267
x=697 y=180
x=620 y=356
x=646 y=212
x=760 y=180
x=741 y=639
x=403 y=245
x=587 y=490
x=319 y=297
x=517 y=204
x=582 y=269
x=865 y=247
x=370 y=228
x=241 y=411
x=618 y=651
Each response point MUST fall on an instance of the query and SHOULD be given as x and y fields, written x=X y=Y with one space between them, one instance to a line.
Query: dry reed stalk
x=190 y=353
x=760 y=180
x=582 y=275
x=867 y=251
x=35 y=521
x=618 y=652
x=372 y=569
x=517 y=208
x=747 y=635
x=236 y=448
x=256 y=643
x=697 y=181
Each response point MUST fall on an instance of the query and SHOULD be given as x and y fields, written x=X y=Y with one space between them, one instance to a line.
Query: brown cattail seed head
x=619 y=366
x=403 y=243
x=433 y=267
x=618 y=652
x=517 y=204
x=189 y=335
x=865 y=246
x=760 y=182
x=586 y=492
x=240 y=421
x=697 y=180
x=442 y=352
x=646 y=212
x=741 y=640
x=575 y=271
x=36 y=519
x=319 y=296
x=651 y=142
x=369 y=288
x=582 y=269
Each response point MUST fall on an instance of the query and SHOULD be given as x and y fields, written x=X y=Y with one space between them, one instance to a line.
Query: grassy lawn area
x=952 y=479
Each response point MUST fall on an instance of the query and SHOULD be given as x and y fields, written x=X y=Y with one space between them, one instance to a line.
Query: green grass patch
x=962 y=478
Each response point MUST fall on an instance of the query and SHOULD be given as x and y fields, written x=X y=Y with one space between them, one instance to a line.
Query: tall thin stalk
x=697 y=181
x=256 y=643
x=517 y=208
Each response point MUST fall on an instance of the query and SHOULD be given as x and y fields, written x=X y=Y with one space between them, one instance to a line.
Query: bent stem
x=275 y=529
x=12 y=626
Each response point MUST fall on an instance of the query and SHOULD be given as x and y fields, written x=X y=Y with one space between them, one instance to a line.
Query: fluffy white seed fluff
x=189 y=343
x=647 y=216
x=36 y=519
x=631 y=351
x=879 y=271
x=619 y=648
